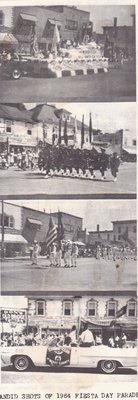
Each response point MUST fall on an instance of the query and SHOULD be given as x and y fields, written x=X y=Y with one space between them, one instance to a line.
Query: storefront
x=14 y=245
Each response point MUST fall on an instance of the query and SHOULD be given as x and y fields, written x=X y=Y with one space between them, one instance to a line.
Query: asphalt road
x=24 y=183
x=21 y=276
x=69 y=380
x=116 y=85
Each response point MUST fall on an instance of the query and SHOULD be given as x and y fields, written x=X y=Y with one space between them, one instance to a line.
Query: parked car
x=104 y=358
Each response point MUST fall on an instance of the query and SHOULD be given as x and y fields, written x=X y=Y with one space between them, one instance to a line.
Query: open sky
x=93 y=212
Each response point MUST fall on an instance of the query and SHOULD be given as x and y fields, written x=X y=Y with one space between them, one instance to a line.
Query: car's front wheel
x=21 y=363
x=108 y=366
x=16 y=73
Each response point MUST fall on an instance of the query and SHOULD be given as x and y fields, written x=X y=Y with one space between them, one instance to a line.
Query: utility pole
x=2 y=232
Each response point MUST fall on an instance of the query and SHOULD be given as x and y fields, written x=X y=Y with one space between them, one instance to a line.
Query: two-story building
x=107 y=312
x=17 y=129
x=23 y=225
x=124 y=232
x=71 y=23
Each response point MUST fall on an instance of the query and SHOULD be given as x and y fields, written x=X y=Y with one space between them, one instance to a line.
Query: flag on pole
x=60 y=229
x=121 y=312
x=75 y=130
x=59 y=131
x=65 y=133
x=90 y=130
x=34 y=43
x=52 y=232
x=82 y=132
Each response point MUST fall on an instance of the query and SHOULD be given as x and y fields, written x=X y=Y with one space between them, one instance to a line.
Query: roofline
x=129 y=221
x=106 y=231
x=77 y=293
x=64 y=5
x=71 y=215
x=42 y=212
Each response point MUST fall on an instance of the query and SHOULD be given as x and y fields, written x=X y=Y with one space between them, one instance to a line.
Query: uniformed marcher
x=114 y=165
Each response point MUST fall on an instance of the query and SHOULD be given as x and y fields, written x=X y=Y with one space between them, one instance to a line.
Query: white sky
x=109 y=117
x=93 y=212
x=13 y=301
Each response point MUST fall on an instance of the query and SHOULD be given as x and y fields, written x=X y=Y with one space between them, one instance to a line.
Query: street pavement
x=90 y=274
x=17 y=182
x=70 y=380
x=115 y=85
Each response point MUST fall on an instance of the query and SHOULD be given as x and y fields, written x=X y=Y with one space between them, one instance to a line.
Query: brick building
x=120 y=38
x=23 y=225
x=71 y=23
x=123 y=232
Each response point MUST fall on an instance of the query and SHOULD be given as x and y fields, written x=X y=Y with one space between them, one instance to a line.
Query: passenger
x=73 y=336
x=86 y=337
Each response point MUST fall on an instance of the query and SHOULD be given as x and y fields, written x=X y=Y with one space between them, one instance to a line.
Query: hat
x=35 y=241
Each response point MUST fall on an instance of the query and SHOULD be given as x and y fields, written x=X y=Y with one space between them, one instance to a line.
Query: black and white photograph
x=68 y=246
x=55 y=337
x=68 y=200
x=67 y=52
x=67 y=149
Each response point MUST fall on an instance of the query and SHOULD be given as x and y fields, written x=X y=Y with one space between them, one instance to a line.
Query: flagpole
x=2 y=232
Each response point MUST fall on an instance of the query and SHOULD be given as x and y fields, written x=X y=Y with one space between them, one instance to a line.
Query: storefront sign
x=19 y=317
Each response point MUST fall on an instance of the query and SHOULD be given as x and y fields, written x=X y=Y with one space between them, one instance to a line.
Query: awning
x=28 y=17
x=13 y=238
x=97 y=322
x=7 y=38
x=130 y=150
x=54 y=22
x=34 y=221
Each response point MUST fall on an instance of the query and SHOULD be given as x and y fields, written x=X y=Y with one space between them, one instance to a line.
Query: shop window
x=114 y=238
x=134 y=228
x=111 y=308
x=91 y=308
x=134 y=142
x=29 y=132
x=8 y=129
x=1 y=18
x=131 y=309
x=67 y=307
x=9 y=221
x=119 y=229
x=71 y=25
x=40 y=307
x=119 y=237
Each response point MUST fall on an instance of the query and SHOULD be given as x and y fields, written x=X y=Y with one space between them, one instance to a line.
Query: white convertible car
x=106 y=359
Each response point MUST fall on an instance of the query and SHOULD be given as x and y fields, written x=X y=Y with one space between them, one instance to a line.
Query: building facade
x=123 y=232
x=106 y=313
x=71 y=23
x=23 y=225
x=18 y=129
x=120 y=38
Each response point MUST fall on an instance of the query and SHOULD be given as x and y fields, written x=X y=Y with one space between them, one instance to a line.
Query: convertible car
x=104 y=358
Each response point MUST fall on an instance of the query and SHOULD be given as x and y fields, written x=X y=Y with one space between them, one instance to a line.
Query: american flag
x=52 y=232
